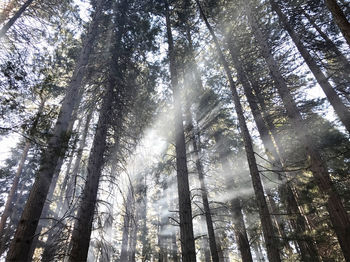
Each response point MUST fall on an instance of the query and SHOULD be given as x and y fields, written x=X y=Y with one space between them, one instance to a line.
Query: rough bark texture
x=57 y=145
x=266 y=222
x=332 y=96
x=13 y=19
x=185 y=209
x=338 y=215
x=339 y=18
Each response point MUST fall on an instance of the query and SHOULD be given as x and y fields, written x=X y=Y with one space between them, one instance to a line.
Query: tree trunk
x=266 y=222
x=7 y=26
x=339 y=18
x=124 y=254
x=338 y=215
x=9 y=201
x=332 y=96
x=274 y=157
x=204 y=193
x=133 y=233
x=174 y=252
x=57 y=145
x=330 y=44
x=185 y=209
x=240 y=230
x=82 y=229
x=69 y=182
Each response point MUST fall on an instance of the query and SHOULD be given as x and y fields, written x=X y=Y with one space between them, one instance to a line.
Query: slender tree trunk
x=66 y=189
x=185 y=209
x=266 y=222
x=204 y=244
x=258 y=252
x=126 y=226
x=339 y=18
x=240 y=230
x=332 y=52
x=308 y=250
x=10 y=197
x=50 y=247
x=7 y=26
x=133 y=235
x=330 y=44
x=338 y=215
x=144 y=230
x=9 y=201
x=204 y=193
x=306 y=243
x=174 y=252
x=332 y=96
x=57 y=145
x=82 y=229
x=236 y=209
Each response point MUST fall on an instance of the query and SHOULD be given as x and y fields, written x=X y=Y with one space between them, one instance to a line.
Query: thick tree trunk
x=57 y=145
x=266 y=222
x=338 y=215
x=342 y=111
x=8 y=25
x=339 y=18
x=185 y=209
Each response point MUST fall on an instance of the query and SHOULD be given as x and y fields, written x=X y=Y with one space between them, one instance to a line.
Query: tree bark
x=57 y=145
x=266 y=222
x=8 y=25
x=204 y=191
x=185 y=209
x=240 y=230
x=82 y=229
x=308 y=250
x=338 y=215
x=339 y=18
x=124 y=254
x=332 y=96
x=195 y=139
